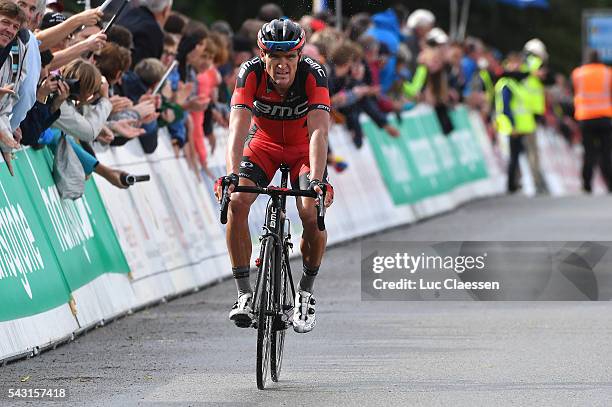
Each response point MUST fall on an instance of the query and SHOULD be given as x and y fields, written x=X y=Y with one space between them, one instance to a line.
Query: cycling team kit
x=279 y=132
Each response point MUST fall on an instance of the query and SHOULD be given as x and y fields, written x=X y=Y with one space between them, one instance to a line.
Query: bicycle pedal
x=278 y=324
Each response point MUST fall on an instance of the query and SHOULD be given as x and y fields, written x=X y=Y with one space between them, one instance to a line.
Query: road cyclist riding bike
x=280 y=115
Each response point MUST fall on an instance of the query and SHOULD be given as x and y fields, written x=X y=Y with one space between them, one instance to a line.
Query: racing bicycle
x=274 y=293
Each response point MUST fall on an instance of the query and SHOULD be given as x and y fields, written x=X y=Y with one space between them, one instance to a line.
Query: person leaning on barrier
x=79 y=118
x=513 y=116
x=51 y=94
x=113 y=61
x=350 y=95
x=11 y=19
x=593 y=111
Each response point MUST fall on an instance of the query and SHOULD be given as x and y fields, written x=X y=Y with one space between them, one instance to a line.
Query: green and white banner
x=49 y=247
x=423 y=162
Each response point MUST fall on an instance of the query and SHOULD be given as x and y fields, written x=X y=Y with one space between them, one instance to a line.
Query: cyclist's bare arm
x=318 y=128
x=240 y=122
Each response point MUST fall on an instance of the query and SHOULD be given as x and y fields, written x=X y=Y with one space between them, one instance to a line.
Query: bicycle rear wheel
x=264 y=318
x=278 y=335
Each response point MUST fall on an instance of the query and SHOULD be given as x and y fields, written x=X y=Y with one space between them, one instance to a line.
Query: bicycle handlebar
x=274 y=191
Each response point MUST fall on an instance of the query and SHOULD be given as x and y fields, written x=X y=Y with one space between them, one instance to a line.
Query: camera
x=73 y=84
x=129 y=179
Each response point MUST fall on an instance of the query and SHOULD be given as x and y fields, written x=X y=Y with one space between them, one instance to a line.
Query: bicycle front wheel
x=264 y=313
x=281 y=322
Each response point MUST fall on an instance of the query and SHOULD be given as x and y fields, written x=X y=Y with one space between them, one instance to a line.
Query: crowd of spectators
x=71 y=78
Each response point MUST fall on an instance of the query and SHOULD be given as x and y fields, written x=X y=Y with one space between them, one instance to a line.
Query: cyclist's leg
x=312 y=247
x=313 y=240
x=238 y=236
x=256 y=168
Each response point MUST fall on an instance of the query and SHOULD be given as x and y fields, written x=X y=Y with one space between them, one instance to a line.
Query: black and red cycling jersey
x=281 y=120
x=279 y=130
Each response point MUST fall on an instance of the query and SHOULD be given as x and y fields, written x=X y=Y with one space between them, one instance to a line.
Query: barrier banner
x=31 y=280
x=79 y=231
x=423 y=162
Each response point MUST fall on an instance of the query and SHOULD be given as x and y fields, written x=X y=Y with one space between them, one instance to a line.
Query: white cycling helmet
x=420 y=17
x=537 y=48
x=437 y=36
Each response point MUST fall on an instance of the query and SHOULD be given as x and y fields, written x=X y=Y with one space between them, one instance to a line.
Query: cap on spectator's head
x=420 y=17
x=56 y=4
x=51 y=20
x=536 y=47
x=437 y=36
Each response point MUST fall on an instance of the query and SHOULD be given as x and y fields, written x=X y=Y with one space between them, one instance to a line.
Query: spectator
x=55 y=6
x=222 y=27
x=12 y=19
x=120 y=36
x=386 y=29
x=469 y=65
x=145 y=23
x=349 y=94
x=358 y=25
x=419 y=23
x=437 y=90
x=175 y=25
x=249 y=30
x=269 y=12
x=79 y=117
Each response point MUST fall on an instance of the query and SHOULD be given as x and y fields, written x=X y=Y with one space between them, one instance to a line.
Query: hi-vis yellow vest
x=536 y=100
x=524 y=122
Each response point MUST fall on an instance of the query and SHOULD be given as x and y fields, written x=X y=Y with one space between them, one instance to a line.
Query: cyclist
x=280 y=114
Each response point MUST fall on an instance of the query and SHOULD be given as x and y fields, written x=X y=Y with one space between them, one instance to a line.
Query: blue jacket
x=386 y=30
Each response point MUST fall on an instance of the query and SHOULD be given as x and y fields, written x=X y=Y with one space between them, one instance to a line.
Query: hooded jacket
x=386 y=30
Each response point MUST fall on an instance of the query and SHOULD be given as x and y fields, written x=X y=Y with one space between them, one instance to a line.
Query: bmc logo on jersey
x=245 y=66
x=277 y=112
x=315 y=66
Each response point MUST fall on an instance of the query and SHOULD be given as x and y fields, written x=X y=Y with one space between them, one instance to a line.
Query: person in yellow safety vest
x=513 y=116
x=533 y=66
x=593 y=111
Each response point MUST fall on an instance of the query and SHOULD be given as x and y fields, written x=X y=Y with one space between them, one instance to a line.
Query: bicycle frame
x=274 y=227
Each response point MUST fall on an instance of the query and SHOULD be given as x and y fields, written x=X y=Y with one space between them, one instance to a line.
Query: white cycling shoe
x=304 y=312
x=242 y=311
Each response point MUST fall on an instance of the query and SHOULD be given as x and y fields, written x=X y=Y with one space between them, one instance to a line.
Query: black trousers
x=597 y=142
x=516 y=148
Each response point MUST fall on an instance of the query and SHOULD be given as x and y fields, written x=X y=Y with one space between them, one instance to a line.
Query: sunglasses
x=283 y=46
